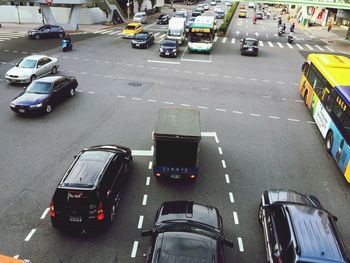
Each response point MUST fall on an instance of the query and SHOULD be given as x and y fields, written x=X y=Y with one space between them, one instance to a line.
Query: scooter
x=280 y=31
x=66 y=45
x=290 y=39
x=254 y=21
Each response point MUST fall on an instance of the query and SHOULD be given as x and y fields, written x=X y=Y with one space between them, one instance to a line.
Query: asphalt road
x=259 y=136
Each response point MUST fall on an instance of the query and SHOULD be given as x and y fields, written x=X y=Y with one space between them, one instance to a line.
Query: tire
x=60 y=35
x=54 y=224
x=329 y=141
x=48 y=107
x=37 y=36
x=71 y=92
x=260 y=214
x=54 y=70
x=32 y=78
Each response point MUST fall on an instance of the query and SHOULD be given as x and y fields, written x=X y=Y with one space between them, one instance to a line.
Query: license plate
x=250 y=49
x=21 y=110
x=166 y=53
x=75 y=219
x=175 y=176
x=137 y=45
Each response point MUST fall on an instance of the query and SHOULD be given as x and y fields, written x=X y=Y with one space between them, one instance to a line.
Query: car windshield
x=220 y=12
x=138 y=15
x=141 y=36
x=168 y=44
x=251 y=42
x=39 y=87
x=174 y=32
x=27 y=63
x=188 y=226
x=130 y=27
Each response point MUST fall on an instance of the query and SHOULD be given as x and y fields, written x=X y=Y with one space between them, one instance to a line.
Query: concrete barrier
x=30 y=14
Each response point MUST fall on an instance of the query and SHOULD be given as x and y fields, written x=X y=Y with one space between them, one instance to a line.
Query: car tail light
x=52 y=209
x=157 y=174
x=100 y=213
x=193 y=177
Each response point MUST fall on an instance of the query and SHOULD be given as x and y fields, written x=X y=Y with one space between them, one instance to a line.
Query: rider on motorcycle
x=254 y=19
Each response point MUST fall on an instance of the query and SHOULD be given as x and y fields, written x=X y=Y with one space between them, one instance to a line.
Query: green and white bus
x=202 y=33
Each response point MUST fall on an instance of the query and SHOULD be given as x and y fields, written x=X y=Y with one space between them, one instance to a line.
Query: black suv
x=186 y=230
x=143 y=40
x=163 y=19
x=249 y=46
x=298 y=229
x=90 y=190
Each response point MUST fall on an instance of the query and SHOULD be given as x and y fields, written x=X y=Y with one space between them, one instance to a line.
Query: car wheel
x=72 y=92
x=37 y=36
x=60 y=35
x=48 y=108
x=329 y=141
x=260 y=214
x=32 y=78
x=54 y=70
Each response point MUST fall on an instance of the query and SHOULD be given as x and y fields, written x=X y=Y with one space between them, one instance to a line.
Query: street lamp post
x=128 y=9
x=18 y=16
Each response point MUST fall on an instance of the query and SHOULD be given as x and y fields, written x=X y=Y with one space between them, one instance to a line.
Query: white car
x=206 y=7
x=140 y=17
x=251 y=5
x=217 y=8
x=228 y=3
x=32 y=67
x=213 y=2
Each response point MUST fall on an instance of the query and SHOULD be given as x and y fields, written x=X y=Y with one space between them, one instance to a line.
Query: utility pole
x=19 y=19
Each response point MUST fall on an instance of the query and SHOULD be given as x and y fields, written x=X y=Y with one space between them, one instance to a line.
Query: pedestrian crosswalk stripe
x=261 y=43
x=270 y=44
x=331 y=50
x=299 y=46
x=233 y=41
x=289 y=45
x=224 y=40
x=215 y=39
x=5 y=38
x=309 y=47
x=280 y=45
x=161 y=38
x=319 y=47
x=156 y=34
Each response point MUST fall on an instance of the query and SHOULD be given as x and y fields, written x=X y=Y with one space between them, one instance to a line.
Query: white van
x=140 y=17
x=177 y=29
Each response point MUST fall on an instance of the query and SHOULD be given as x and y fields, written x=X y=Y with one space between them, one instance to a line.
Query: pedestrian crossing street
x=7 y=36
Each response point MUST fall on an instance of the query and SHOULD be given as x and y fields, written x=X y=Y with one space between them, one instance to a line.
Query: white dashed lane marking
x=223 y=163
x=144 y=200
x=29 y=236
x=150 y=165
x=227 y=178
x=148 y=180
x=134 y=249
x=45 y=213
x=139 y=225
x=235 y=218
x=240 y=244
x=232 y=200
x=220 y=150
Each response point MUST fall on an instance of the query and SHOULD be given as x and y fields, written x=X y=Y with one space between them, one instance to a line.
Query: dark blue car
x=42 y=94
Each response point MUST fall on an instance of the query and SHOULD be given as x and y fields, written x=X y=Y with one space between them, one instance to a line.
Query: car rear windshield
x=27 y=63
x=39 y=87
x=251 y=42
x=194 y=249
x=130 y=27
x=141 y=36
x=88 y=168
x=168 y=44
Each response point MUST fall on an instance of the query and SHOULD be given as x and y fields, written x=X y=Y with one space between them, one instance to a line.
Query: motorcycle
x=281 y=31
x=254 y=20
x=290 y=39
x=66 y=45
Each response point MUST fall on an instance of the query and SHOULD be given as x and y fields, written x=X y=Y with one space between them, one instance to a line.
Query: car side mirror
x=146 y=233
x=303 y=66
x=39 y=66
x=24 y=87
x=228 y=243
x=17 y=64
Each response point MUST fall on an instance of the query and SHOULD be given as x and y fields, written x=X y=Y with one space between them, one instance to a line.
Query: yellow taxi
x=132 y=29
x=242 y=13
x=6 y=259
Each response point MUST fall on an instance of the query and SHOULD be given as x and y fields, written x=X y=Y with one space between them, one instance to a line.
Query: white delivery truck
x=177 y=29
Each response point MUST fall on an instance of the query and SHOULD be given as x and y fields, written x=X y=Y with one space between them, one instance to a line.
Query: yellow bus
x=325 y=87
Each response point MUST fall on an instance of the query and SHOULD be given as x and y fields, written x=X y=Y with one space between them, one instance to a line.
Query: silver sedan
x=32 y=67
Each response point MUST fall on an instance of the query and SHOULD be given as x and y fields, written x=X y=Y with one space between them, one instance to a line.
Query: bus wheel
x=329 y=141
